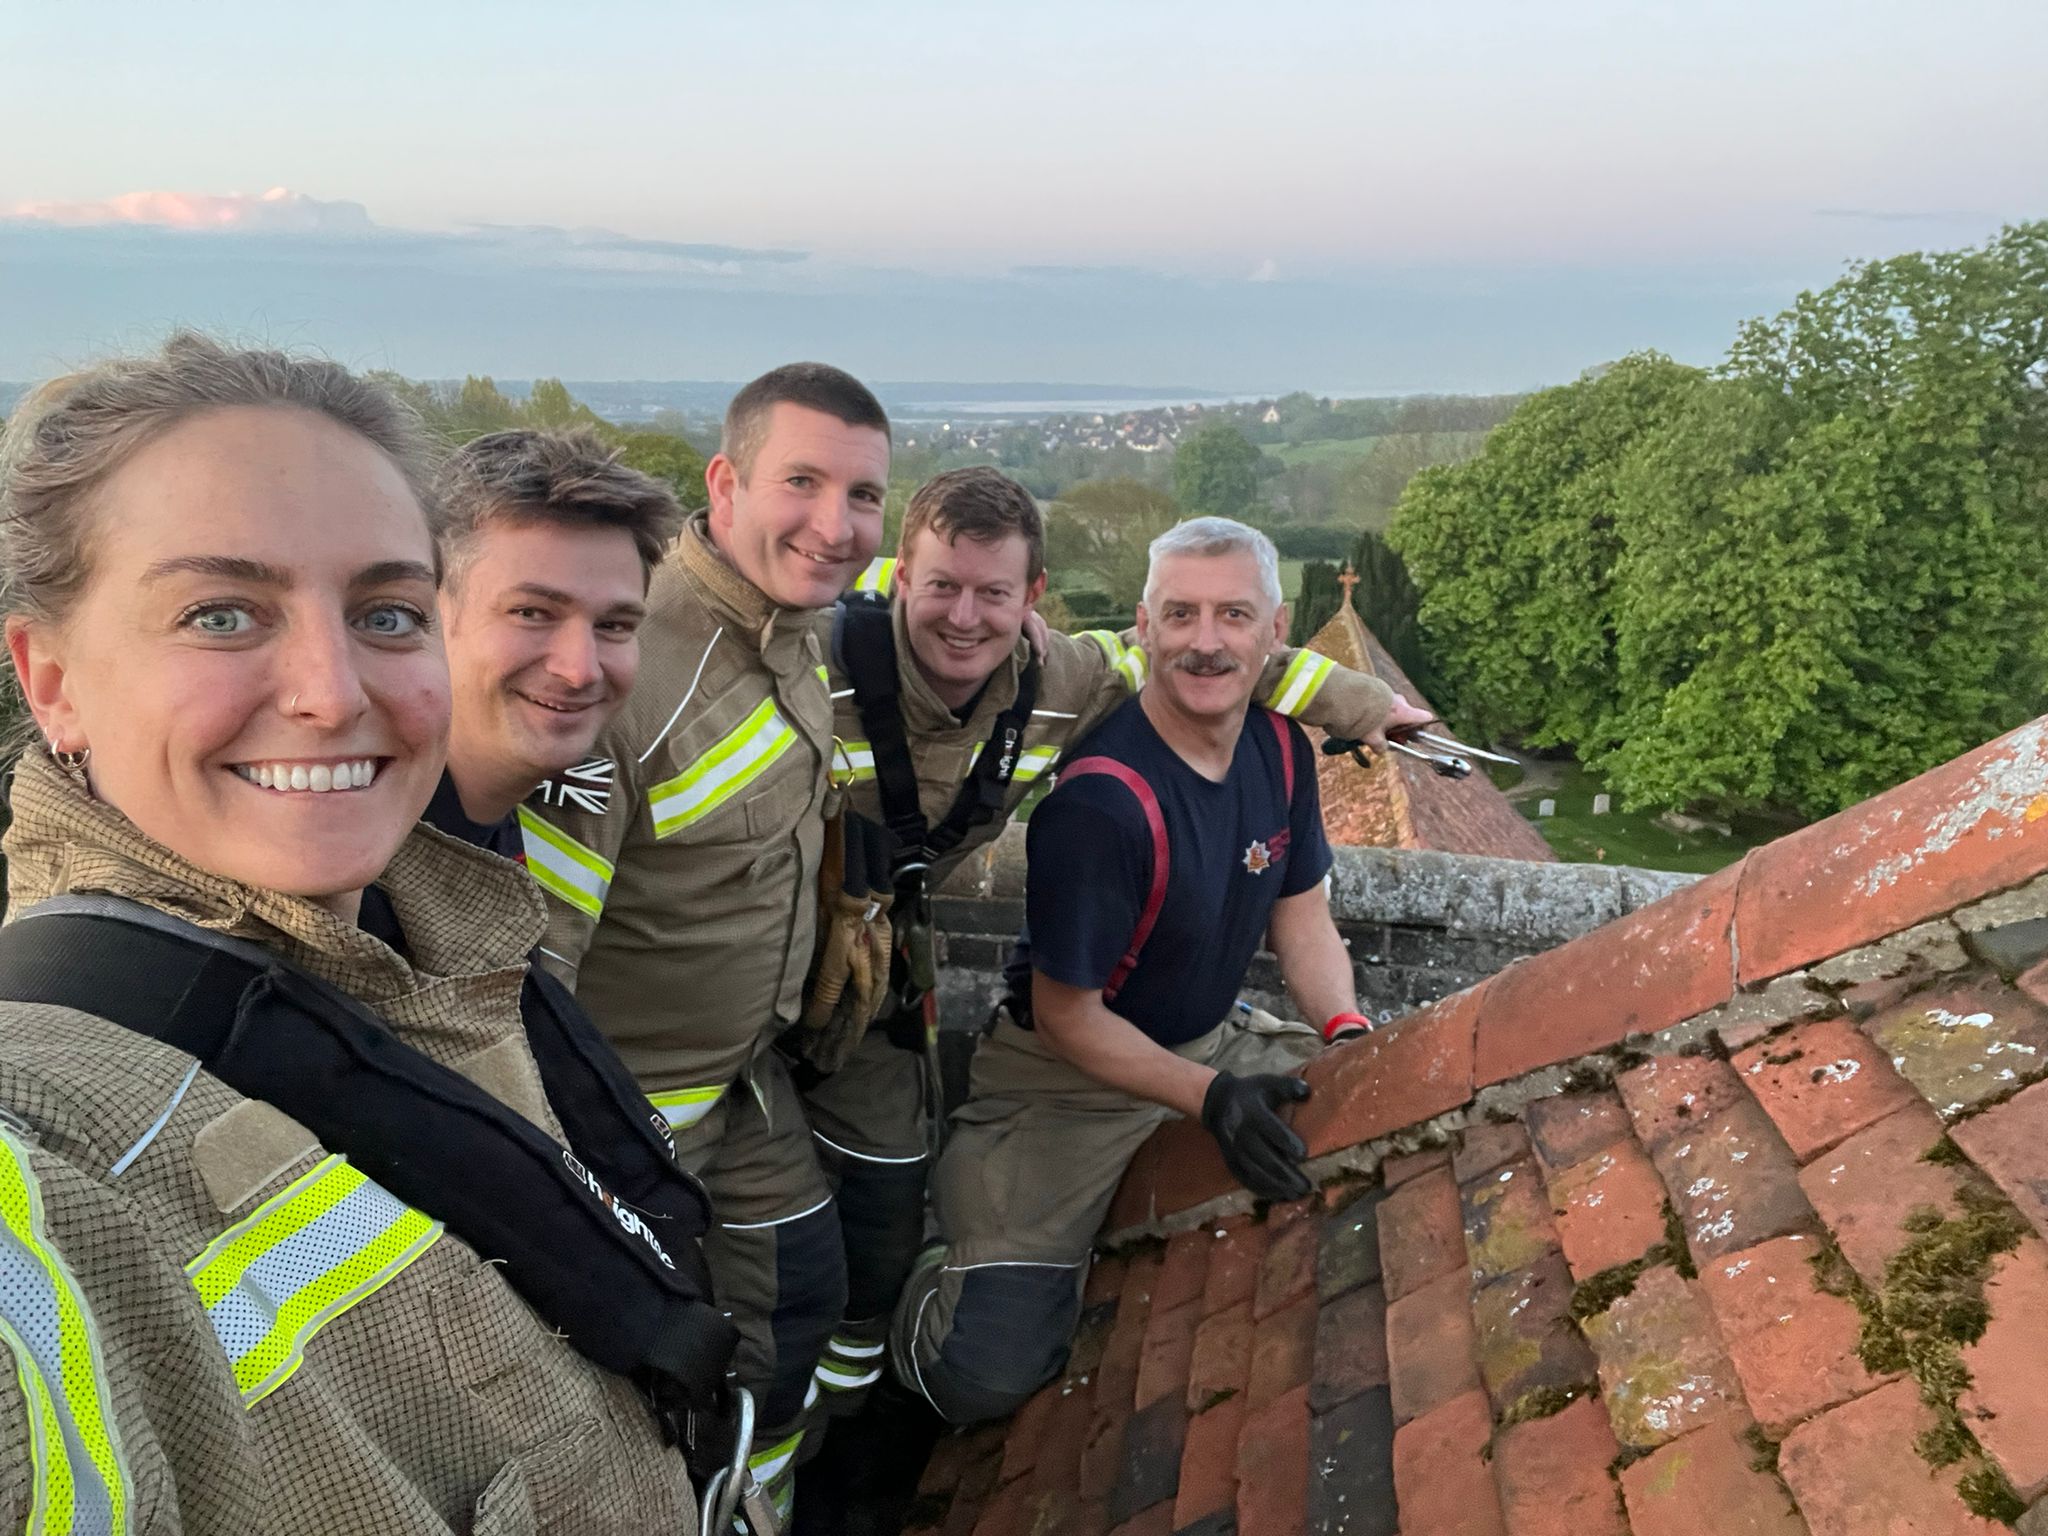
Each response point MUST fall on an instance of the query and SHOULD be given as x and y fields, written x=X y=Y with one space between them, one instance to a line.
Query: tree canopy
x=1097 y=536
x=1216 y=473
x=1788 y=583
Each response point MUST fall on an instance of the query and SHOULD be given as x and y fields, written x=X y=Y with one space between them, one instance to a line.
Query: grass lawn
x=1632 y=837
x=1290 y=578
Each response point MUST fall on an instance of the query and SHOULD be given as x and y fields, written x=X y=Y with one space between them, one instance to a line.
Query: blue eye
x=393 y=622
x=221 y=621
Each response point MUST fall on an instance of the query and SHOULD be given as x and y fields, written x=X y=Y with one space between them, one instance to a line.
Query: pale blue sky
x=1341 y=196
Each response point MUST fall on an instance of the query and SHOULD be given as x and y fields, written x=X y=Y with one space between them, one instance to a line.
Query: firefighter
x=1185 y=831
x=938 y=634
x=683 y=894
x=297 y=1310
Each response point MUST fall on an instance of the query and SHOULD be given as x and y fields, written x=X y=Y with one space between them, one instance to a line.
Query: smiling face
x=1207 y=628
x=543 y=633
x=253 y=662
x=808 y=517
x=964 y=603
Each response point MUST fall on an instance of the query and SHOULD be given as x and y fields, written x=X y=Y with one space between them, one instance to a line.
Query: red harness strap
x=1155 y=820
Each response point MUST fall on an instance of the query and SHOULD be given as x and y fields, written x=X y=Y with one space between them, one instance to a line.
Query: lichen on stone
x=1945 y=1154
x=1989 y=1494
x=1763 y=1449
x=1543 y=1403
x=1596 y=1293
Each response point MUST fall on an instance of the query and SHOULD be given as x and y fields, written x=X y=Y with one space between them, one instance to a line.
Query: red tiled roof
x=1780 y=1270
x=1400 y=802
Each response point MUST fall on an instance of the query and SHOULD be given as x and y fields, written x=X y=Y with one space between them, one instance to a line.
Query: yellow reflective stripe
x=1031 y=762
x=853 y=762
x=684 y=1107
x=81 y=1478
x=1300 y=683
x=748 y=751
x=825 y=676
x=563 y=866
x=301 y=1259
x=1132 y=665
x=877 y=577
x=1111 y=642
x=769 y=1464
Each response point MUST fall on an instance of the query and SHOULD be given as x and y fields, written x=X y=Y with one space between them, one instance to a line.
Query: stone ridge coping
x=1421 y=888
x=1945 y=841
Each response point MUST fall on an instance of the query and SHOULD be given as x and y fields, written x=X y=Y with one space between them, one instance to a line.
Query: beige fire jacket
x=1083 y=678
x=681 y=864
x=210 y=1323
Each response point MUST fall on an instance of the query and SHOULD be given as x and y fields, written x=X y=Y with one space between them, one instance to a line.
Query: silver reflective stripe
x=273 y=1280
x=80 y=1485
x=578 y=875
x=746 y=752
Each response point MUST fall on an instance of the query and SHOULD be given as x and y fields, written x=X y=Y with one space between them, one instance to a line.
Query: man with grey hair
x=1185 y=829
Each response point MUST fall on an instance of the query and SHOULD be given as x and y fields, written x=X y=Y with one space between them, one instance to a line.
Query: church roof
x=1400 y=802
x=1729 y=1216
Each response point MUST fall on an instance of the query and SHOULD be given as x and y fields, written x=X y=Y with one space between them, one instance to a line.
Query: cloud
x=606 y=250
x=1265 y=272
x=278 y=211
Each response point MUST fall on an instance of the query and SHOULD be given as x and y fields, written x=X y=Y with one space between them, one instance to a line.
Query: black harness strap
x=628 y=1297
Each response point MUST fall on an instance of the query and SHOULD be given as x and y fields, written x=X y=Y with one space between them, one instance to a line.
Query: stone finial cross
x=1348 y=580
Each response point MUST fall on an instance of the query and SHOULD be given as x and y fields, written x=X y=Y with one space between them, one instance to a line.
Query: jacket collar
x=784 y=637
x=465 y=912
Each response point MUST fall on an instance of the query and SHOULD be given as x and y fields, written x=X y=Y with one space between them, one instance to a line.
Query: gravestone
x=1600 y=804
x=1546 y=807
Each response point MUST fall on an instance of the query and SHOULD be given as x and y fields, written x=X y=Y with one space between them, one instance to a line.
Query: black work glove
x=1242 y=1113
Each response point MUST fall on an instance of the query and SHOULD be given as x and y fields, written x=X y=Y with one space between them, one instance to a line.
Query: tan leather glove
x=850 y=972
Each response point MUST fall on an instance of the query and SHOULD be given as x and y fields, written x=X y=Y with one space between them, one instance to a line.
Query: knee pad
x=881 y=1212
x=810 y=1298
x=1012 y=1328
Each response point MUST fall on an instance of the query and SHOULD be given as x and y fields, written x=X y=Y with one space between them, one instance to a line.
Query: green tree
x=1836 y=558
x=1316 y=604
x=480 y=407
x=664 y=456
x=1097 y=536
x=1216 y=473
x=1387 y=599
x=550 y=405
x=1514 y=552
x=1786 y=586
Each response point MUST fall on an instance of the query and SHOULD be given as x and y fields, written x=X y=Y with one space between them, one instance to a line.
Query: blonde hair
x=72 y=434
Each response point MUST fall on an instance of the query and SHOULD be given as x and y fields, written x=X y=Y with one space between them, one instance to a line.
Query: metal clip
x=733 y=1496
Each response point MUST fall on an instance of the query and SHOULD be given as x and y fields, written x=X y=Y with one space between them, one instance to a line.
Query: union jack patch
x=587 y=786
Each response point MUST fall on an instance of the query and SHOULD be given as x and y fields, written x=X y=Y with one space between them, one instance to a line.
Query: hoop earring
x=71 y=762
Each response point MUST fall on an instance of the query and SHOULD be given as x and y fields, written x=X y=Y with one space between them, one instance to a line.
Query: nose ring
x=293 y=707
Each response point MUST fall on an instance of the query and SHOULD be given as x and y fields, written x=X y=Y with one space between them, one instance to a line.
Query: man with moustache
x=1185 y=829
x=970 y=568
x=683 y=891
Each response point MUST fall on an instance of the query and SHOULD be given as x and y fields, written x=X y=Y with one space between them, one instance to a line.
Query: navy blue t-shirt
x=1234 y=849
